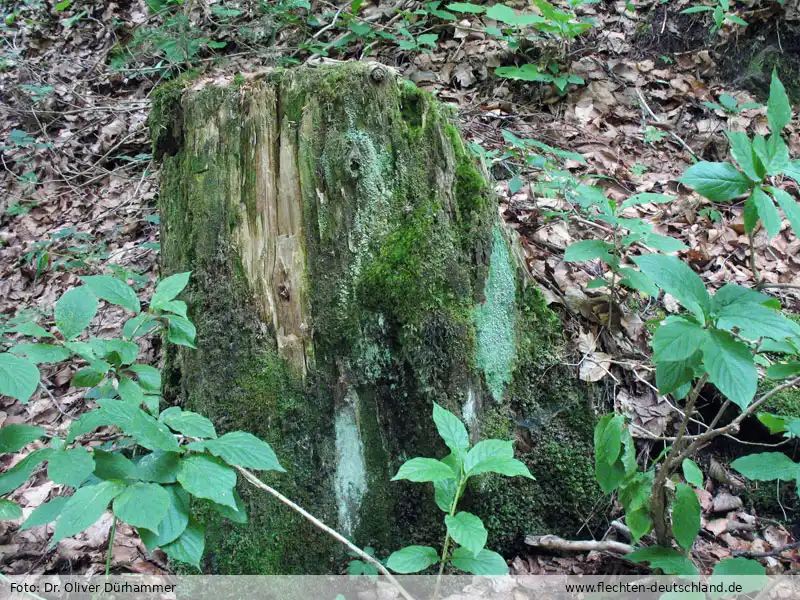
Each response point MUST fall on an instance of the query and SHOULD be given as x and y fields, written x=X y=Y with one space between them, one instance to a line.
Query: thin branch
x=553 y=542
x=320 y=525
x=773 y=552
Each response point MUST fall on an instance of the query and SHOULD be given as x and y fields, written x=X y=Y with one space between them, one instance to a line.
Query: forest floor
x=78 y=185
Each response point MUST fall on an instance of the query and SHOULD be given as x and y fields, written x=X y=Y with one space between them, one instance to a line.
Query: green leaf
x=755 y=321
x=685 y=516
x=696 y=9
x=766 y=466
x=664 y=243
x=588 y=250
x=189 y=423
x=41 y=353
x=45 y=513
x=174 y=522
x=206 y=477
x=485 y=563
x=466 y=7
x=671 y=376
x=70 y=467
x=767 y=211
x=84 y=508
x=678 y=339
x=424 y=469
x=149 y=377
x=31 y=329
x=244 y=450
x=510 y=467
x=74 y=311
x=730 y=367
x=638 y=521
x=677 y=279
x=779 y=109
x=19 y=473
x=169 y=288
x=750 y=575
x=775 y=423
x=773 y=153
x=670 y=561
x=143 y=505
x=181 y=331
x=15 y=436
x=159 y=467
x=112 y=465
x=721 y=182
x=126 y=352
x=733 y=294
x=237 y=516
x=445 y=492
x=742 y=152
x=692 y=473
x=135 y=422
x=9 y=511
x=412 y=559
x=130 y=392
x=638 y=281
x=750 y=214
x=608 y=438
x=789 y=206
x=467 y=530
x=784 y=370
x=138 y=326
x=188 y=548
x=86 y=423
x=451 y=430
x=19 y=377
x=113 y=290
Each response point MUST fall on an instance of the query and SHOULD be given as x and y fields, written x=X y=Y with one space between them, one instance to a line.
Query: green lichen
x=495 y=320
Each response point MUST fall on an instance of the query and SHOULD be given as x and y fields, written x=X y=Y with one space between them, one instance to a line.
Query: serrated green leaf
x=677 y=339
x=588 y=250
x=74 y=311
x=671 y=376
x=86 y=423
x=19 y=377
x=130 y=392
x=733 y=294
x=721 y=182
x=638 y=281
x=19 y=473
x=467 y=530
x=749 y=575
x=638 y=521
x=9 y=511
x=784 y=370
x=412 y=559
x=670 y=561
x=112 y=465
x=181 y=331
x=206 y=477
x=789 y=206
x=143 y=505
x=138 y=424
x=779 y=109
x=444 y=493
x=237 y=516
x=766 y=466
x=424 y=469
x=113 y=290
x=772 y=152
x=15 y=436
x=730 y=367
x=485 y=563
x=139 y=325
x=189 y=423
x=174 y=522
x=169 y=288
x=149 y=377
x=775 y=423
x=685 y=516
x=742 y=152
x=244 y=450
x=608 y=438
x=31 y=329
x=70 y=467
x=677 y=279
x=755 y=321
x=45 y=513
x=41 y=353
x=692 y=473
x=159 y=467
x=84 y=508
x=189 y=546
x=451 y=429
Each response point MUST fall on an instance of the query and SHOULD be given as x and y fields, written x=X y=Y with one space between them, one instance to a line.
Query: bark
x=349 y=268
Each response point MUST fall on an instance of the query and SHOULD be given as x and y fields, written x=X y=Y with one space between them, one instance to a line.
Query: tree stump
x=348 y=269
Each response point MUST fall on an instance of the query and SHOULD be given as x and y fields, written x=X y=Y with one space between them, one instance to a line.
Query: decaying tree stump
x=349 y=268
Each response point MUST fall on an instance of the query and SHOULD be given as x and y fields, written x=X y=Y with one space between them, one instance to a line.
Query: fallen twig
x=553 y=542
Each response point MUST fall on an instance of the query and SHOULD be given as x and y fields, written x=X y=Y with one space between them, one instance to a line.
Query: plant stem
x=111 y=535
x=446 y=547
x=331 y=532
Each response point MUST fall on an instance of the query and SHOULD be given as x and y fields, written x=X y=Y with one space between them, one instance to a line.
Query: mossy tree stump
x=349 y=269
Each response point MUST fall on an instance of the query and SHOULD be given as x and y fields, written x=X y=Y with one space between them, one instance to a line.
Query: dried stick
x=553 y=542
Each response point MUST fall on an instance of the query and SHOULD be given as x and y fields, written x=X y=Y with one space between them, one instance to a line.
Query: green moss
x=785 y=403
